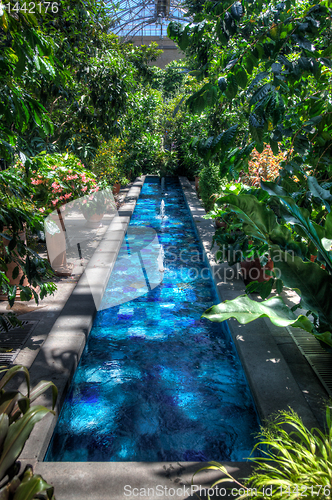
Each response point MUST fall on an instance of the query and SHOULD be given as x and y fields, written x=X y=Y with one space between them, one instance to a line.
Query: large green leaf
x=259 y=221
x=319 y=192
x=13 y=371
x=301 y=218
x=314 y=283
x=241 y=77
x=245 y=310
x=31 y=485
x=4 y=424
x=17 y=435
x=40 y=388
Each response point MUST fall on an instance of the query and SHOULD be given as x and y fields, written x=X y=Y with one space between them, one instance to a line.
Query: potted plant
x=95 y=204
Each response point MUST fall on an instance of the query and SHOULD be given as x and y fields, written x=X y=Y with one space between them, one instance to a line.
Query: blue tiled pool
x=156 y=382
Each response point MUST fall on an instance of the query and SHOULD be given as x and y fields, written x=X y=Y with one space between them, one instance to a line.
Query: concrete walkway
x=57 y=344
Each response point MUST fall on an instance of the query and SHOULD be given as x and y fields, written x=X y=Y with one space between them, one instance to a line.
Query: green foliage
x=64 y=79
x=209 y=184
x=269 y=62
x=245 y=310
x=17 y=213
x=17 y=419
x=110 y=160
x=56 y=179
x=307 y=278
x=149 y=156
x=294 y=461
x=25 y=51
x=171 y=80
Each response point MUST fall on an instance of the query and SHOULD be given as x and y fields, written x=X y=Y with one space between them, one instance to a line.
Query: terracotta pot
x=220 y=224
x=116 y=188
x=253 y=271
x=12 y=265
x=93 y=221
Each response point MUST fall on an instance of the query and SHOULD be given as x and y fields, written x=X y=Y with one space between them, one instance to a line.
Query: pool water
x=155 y=381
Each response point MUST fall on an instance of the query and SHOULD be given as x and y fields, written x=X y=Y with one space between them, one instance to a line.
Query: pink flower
x=41 y=209
x=55 y=202
x=68 y=195
x=84 y=188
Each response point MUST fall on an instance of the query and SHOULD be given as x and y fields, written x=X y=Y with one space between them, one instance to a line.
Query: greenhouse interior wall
x=170 y=50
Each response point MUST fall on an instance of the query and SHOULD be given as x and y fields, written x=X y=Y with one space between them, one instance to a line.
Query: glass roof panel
x=145 y=17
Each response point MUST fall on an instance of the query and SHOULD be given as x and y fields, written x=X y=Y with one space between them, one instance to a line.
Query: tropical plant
x=209 y=184
x=18 y=213
x=17 y=419
x=267 y=66
x=287 y=252
x=294 y=462
x=147 y=155
x=265 y=62
x=181 y=126
x=25 y=52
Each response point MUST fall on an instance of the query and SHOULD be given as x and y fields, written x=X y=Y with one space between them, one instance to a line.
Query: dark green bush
x=209 y=185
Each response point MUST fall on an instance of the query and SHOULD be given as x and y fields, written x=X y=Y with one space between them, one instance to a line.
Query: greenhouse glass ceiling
x=145 y=17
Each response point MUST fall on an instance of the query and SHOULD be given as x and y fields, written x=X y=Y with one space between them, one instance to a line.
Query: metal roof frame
x=145 y=17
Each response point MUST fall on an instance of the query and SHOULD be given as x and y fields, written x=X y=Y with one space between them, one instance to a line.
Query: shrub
x=56 y=179
x=209 y=184
x=110 y=162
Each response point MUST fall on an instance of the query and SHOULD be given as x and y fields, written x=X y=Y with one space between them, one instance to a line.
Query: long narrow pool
x=155 y=381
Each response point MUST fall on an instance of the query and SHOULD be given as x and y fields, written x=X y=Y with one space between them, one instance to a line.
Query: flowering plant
x=263 y=166
x=57 y=179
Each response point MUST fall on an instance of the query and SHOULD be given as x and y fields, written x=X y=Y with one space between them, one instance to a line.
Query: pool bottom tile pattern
x=155 y=381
